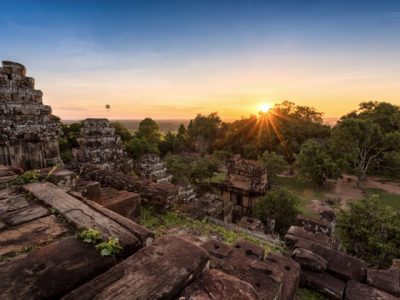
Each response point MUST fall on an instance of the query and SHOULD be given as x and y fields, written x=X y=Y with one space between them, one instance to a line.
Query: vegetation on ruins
x=26 y=177
x=111 y=247
x=316 y=163
x=90 y=236
x=160 y=223
x=370 y=231
x=280 y=205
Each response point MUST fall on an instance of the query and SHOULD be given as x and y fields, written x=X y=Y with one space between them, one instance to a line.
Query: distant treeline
x=133 y=125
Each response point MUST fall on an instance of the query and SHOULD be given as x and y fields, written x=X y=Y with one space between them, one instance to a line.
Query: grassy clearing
x=389 y=199
x=306 y=294
x=160 y=223
x=304 y=190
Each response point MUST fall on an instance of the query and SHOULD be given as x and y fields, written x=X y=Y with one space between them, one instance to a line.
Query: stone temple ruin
x=152 y=168
x=99 y=145
x=246 y=181
x=28 y=133
x=42 y=258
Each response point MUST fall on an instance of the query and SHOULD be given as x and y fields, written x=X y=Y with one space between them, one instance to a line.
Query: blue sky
x=173 y=59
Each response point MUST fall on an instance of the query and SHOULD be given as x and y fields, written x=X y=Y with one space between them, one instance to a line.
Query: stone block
x=385 y=280
x=214 y=284
x=298 y=237
x=24 y=214
x=309 y=260
x=342 y=265
x=290 y=270
x=218 y=252
x=125 y=203
x=51 y=271
x=358 y=291
x=267 y=281
x=249 y=249
x=251 y=224
x=326 y=284
x=89 y=189
x=159 y=271
x=33 y=233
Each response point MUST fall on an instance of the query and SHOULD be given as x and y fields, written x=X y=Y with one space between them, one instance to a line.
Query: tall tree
x=149 y=130
x=316 y=163
x=362 y=144
x=203 y=131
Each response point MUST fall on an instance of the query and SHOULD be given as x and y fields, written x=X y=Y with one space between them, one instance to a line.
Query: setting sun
x=265 y=107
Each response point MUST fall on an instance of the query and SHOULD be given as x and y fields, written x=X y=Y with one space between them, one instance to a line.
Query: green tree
x=179 y=167
x=69 y=140
x=371 y=231
x=149 y=130
x=280 y=205
x=182 y=138
x=362 y=144
x=387 y=117
x=203 y=168
x=316 y=163
x=122 y=131
x=169 y=144
x=274 y=163
x=137 y=147
x=203 y=131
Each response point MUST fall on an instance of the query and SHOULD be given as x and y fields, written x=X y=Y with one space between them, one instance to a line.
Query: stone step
x=159 y=271
x=51 y=271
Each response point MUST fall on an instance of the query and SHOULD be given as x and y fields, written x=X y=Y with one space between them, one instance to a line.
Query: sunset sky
x=174 y=59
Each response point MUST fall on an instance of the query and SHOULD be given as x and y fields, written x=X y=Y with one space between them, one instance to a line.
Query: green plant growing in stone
x=109 y=248
x=27 y=177
x=90 y=236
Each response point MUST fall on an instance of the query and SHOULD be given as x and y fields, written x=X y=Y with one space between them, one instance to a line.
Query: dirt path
x=386 y=185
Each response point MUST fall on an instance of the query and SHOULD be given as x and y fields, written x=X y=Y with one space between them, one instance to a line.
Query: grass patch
x=218 y=177
x=304 y=190
x=306 y=294
x=159 y=223
x=389 y=199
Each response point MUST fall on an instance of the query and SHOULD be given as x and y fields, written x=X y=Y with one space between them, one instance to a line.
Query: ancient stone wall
x=28 y=132
x=99 y=145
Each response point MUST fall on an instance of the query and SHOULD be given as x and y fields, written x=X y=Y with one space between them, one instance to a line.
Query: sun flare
x=265 y=107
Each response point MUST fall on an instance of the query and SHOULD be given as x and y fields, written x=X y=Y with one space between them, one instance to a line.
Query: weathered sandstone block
x=159 y=271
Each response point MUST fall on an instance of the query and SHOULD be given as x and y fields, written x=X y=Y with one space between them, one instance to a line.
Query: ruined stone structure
x=246 y=182
x=333 y=273
x=28 y=132
x=152 y=168
x=99 y=145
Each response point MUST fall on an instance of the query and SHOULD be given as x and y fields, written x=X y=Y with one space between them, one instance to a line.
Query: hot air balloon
x=108 y=106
